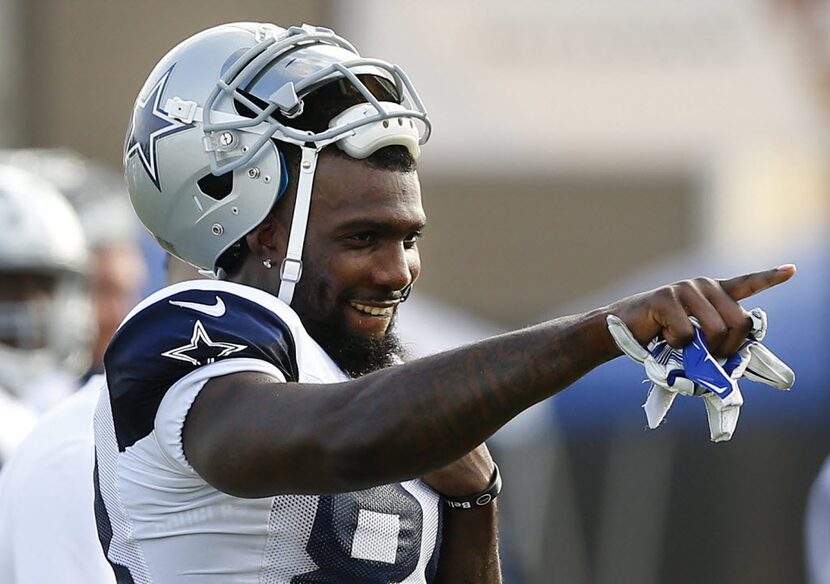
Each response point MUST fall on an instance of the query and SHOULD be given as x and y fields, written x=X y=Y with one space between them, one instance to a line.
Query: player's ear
x=268 y=240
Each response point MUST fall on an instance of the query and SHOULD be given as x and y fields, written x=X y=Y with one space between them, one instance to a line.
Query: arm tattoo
x=443 y=406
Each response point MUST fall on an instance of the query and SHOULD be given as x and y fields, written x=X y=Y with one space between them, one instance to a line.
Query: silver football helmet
x=45 y=316
x=221 y=102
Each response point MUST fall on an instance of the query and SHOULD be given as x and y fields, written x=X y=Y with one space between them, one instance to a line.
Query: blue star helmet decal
x=148 y=125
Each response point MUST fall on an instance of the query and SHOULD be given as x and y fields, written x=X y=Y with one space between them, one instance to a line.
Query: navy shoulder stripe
x=178 y=334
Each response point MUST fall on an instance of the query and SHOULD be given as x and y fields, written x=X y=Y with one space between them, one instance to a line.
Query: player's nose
x=397 y=268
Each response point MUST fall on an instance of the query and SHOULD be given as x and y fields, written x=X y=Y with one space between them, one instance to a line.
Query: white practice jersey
x=16 y=421
x=20 y=409
x=159 y=521
x=47 y=523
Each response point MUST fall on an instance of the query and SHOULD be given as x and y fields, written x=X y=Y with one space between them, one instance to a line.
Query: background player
x=45 y=331
x=117 y=270
x=47 y=529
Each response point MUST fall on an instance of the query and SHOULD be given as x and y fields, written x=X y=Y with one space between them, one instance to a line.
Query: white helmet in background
x=45 y=315
x=97 y=193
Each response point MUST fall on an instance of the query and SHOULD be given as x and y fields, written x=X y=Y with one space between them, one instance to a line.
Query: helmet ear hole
x=216 y=187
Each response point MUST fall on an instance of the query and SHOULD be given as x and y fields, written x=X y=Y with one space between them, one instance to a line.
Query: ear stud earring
x=267 y=263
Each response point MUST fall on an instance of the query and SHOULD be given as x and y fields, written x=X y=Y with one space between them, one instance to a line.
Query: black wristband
x=480 y=499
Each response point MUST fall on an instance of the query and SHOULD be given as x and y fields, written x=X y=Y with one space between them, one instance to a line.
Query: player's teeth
x=373 y=310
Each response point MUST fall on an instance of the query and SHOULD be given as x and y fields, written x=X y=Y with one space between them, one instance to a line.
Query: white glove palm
x=692 y=370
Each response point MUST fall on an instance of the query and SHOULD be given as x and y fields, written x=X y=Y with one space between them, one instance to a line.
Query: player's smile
x=375 y=309
x=370 y=317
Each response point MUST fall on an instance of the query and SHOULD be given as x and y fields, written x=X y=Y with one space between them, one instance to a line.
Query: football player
x=260 y=427
x=47 y=527
x=117 y=270
x=44 y=306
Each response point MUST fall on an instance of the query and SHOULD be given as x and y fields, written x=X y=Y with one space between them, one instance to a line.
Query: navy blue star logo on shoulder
x=202 y=349
x=148 y=125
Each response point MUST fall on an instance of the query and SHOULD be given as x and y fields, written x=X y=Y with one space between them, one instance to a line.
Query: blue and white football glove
x=693 y=370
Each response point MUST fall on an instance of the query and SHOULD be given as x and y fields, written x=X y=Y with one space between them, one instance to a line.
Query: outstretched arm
x=252 y=437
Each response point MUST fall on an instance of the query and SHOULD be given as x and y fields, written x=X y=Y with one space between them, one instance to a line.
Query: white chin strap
x=292 y=266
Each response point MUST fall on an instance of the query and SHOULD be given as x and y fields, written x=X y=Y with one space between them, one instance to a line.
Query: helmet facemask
x=40 y=332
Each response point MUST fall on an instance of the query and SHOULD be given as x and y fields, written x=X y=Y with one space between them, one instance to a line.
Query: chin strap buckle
x=291 y=270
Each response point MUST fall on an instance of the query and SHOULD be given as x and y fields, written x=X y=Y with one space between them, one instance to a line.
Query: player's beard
x=355 y=353
x=358 y=354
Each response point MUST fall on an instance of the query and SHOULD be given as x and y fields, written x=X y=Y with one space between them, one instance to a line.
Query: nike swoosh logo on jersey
x=216 y=310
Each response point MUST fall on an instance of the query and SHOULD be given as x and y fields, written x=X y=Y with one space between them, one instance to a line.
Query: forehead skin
x=350 y=193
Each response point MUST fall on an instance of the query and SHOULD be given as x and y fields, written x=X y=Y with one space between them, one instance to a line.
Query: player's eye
x=412 y=239
x=361 y=239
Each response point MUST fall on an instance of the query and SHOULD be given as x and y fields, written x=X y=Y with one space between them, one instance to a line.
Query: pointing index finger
x=741 y=287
